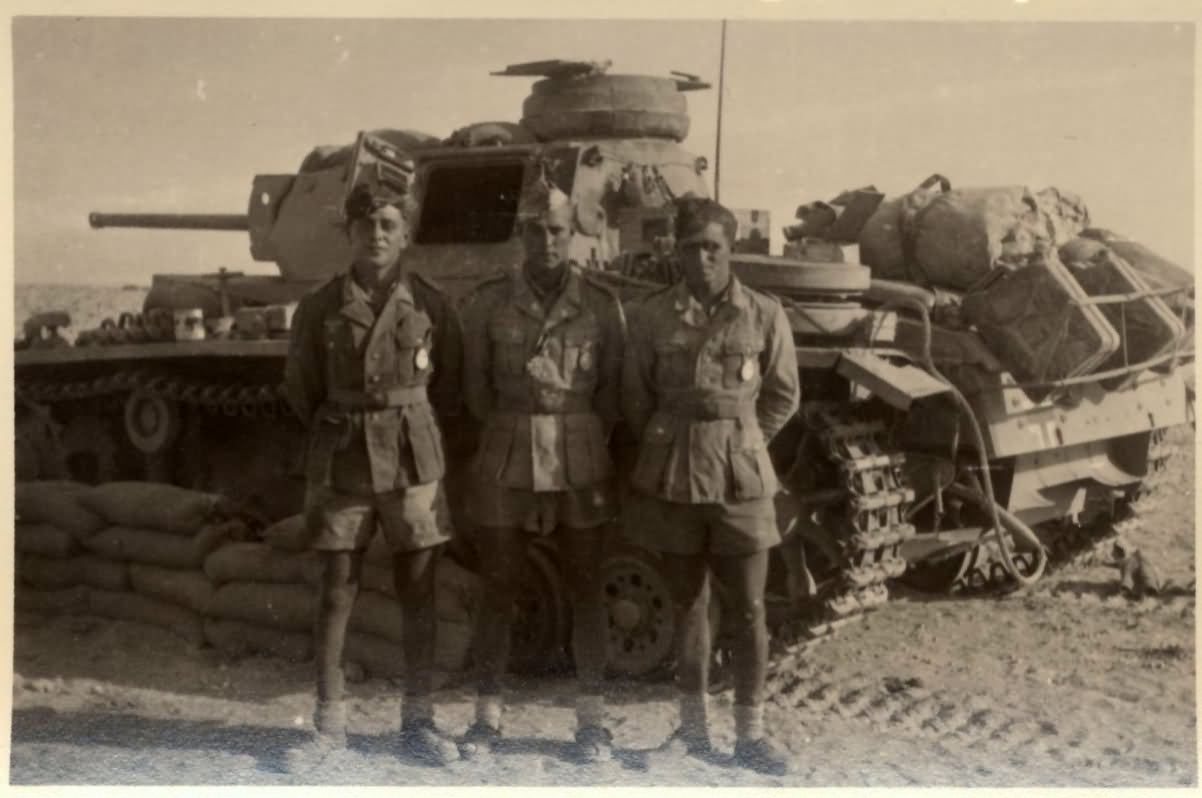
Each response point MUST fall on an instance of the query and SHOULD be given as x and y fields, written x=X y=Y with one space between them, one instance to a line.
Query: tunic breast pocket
x=740 y=360
x=508 y=348
x=673 y=364
x=414 y=340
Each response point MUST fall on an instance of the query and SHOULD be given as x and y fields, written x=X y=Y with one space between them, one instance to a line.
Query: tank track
x=868 y=519
x=232 y=399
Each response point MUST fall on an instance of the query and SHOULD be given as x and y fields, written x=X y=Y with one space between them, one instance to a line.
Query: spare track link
x=233 y=399
x=870 y=527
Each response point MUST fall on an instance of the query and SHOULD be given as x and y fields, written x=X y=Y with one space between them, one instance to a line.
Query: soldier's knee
x=751 y=614
x=338 y=598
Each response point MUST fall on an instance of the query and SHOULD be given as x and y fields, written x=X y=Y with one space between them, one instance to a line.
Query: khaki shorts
x=410 y=519
x=721 y=529
x=586 y=508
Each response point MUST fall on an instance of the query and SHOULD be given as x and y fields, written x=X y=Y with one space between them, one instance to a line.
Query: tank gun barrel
x=172 y=221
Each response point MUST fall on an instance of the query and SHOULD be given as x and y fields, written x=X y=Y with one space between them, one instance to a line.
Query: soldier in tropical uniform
x=370 y=350
x=542 y=365
x=709 y=377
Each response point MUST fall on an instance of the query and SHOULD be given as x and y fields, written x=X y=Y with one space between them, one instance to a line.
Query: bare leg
x=336 y=597
x=502 y=552
x=687 y=579
x=413 y=578
x=582 y=571
x=742 y=579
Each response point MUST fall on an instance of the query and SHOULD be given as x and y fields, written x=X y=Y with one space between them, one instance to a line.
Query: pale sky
x=177 y=115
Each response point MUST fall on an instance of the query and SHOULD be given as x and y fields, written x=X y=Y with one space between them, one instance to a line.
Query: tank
x=916 y=456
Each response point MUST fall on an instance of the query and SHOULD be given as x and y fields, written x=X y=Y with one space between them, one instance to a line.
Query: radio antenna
x=718 y=137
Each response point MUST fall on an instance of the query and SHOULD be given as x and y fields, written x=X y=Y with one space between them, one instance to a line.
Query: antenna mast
x=718 y=138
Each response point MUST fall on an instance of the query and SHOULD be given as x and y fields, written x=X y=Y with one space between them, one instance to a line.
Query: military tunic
x=363 y=383
x=543 y=378
x=705 y=393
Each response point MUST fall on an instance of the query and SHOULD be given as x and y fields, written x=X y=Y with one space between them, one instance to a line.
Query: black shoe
x=761 y=756
x=593 y=744
x=696 y=742
x=422 y=742
x=480 y=739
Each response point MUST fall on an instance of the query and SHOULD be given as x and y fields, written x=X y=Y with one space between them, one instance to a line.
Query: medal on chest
x=747 y=370
x=421 y=358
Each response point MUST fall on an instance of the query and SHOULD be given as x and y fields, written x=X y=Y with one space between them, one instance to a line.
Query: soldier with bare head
x=710 y=376
x=369 y=351
x=542 y=365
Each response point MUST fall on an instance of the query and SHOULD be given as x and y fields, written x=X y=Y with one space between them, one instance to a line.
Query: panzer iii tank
x=887 y=477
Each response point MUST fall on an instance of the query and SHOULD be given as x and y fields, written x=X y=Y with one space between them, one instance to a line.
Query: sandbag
x=377 y=576
x=377 y=614
x=127 y=606
x=883 y=246
x=377 y=655
x=239 y=639
x=68 y=600
x=51 y=573
x=260 y=562
x=456 y=592
x=961 y=235
x=455 y=587
x=382 y=657
x=189 y=589
x=152 y=505
x=158 y=548
x=288 y=534
x=45 y=539
x=1038 y=322
x=57 y=502
x=288 y=607
x=1148 y=326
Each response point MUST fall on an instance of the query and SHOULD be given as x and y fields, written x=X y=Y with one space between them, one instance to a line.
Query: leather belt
x=343 y=400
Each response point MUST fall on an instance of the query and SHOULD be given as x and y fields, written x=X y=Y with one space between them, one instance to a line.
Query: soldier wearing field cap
x=542 y=365
x=370 y=350
x=709 y=377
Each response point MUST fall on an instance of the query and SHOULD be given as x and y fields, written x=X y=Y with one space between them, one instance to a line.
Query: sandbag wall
x=163 y=555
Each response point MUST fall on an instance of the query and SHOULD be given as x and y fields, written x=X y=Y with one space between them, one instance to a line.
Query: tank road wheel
x=151 y=422
x=543 y=617
x=89 y=450
x=642 y=622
